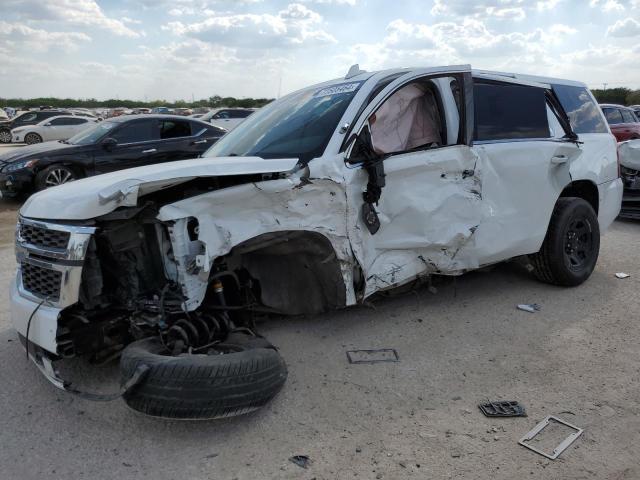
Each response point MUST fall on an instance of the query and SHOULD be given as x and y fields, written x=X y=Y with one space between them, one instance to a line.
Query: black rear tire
x=202 y=386
x=32 y=138
x=5 y=135
x=570 y=249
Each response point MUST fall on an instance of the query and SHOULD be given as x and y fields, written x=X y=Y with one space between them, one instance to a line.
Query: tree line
x=212 y=102
x=621 y=96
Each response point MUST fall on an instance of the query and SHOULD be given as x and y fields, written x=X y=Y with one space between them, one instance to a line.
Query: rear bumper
x=610 y=194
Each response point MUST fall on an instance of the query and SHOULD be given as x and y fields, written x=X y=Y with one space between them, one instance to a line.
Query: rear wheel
x=570 y=250
x=54 y=175
x=31 y=138
x=5 y=136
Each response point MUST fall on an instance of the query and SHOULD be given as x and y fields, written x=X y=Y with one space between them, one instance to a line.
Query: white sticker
x=338 y=89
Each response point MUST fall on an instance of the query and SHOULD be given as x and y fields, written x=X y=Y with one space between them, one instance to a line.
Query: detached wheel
x=31 y=138
x=570 y=250
x=54 y=175
x=203 y=386
x=5 y=136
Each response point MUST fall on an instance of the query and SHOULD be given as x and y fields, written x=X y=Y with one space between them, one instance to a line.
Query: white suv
x=318 y=201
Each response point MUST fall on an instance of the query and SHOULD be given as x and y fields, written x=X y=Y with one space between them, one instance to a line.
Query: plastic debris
x=622 y=275
x=529 y=307
x=502 y=409
x=301 y=460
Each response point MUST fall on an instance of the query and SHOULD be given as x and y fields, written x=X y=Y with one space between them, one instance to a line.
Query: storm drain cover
x=380 y=355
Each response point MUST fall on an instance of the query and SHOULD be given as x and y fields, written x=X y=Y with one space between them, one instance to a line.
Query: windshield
x=297 y=126
x=92 y=134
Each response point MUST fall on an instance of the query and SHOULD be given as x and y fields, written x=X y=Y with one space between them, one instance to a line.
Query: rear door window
x=136 y=132
x=584 y=114
x=62 y=121
x=174 y=129
x=507 y=112
x=613 y=115
x=628 y=117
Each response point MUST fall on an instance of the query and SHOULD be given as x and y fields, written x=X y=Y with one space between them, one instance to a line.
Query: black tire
x=570 y=249
x=32 y=138
x=5 y=136
x=202 y=386
x=55 y=175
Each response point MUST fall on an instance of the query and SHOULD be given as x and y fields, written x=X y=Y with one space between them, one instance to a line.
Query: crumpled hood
x=629 y=152
x=95 y=196
x=35 y=150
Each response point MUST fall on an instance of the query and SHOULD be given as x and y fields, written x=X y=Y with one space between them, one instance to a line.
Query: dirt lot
x=577 y=358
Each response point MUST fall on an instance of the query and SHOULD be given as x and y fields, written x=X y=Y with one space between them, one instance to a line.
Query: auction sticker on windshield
x=338 y=89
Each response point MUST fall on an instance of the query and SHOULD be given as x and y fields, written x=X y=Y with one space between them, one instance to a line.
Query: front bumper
x=14 y=183
x=50 y=261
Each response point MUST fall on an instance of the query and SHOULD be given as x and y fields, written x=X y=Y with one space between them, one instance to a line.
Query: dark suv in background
x=27 y=118
x=114 y=144
x=623 y=121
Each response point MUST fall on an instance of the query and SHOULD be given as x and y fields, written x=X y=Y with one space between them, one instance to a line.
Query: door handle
x=199 y=142
x=151 y=150
x=559 y=159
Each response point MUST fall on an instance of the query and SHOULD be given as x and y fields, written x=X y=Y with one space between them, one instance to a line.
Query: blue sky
x=173 y=49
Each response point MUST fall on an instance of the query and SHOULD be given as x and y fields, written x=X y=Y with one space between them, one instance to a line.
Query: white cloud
x=17 y=37
x=71 y=12
x=294 y=26
x=628 y=27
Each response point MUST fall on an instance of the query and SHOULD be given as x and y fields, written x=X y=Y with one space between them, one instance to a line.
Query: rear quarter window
x=584 y=114
x=613 y=115
x=504 y=112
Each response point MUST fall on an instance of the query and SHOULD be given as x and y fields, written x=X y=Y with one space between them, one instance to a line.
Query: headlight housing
x=12 y=167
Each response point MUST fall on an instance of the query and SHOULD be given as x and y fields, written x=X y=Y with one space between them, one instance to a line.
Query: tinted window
x=628 y=117
x=509 y=111
x=175 y=129
x=613 y=115
x=582 y=111
x=212 y=131
x=223 y=114
x=240 y=113
x=139 y=131
x=62 y=121
x=26 y=117
x=78 y=121
x=93 y=133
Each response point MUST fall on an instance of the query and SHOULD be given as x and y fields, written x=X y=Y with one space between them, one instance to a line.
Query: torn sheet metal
x=234 y=215
x=629 y=153
x=101 y=194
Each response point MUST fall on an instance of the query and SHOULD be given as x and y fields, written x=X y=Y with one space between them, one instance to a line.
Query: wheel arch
x=585 y=189
x=298 y=271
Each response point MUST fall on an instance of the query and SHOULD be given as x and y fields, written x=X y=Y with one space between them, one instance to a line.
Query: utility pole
x=605 y=86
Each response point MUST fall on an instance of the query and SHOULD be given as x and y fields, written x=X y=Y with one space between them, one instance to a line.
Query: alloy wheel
x=5 y=137
x=58 y=176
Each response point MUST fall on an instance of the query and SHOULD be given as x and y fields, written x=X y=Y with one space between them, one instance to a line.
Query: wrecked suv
x=317 y=201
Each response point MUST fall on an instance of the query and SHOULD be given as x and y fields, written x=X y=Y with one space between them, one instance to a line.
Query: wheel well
x=298 y=272
x=584 y=189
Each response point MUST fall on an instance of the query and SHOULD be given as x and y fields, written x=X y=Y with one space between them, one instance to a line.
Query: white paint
x=629 y=152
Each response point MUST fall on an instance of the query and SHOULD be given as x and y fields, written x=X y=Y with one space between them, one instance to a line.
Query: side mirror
x=48 y=124
x=109 y=143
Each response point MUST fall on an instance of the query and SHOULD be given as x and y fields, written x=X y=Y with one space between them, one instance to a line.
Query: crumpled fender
x=629 y=153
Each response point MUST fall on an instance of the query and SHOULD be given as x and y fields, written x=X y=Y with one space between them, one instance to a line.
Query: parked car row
x=113 y=144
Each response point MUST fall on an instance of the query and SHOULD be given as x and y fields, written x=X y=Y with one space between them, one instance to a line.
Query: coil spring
x=199 y=330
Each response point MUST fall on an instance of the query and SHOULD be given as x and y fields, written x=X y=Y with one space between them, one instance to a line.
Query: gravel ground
x=577 y=358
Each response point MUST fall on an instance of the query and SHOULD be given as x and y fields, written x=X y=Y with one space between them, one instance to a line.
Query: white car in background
x=227 y=118
x=61 y=127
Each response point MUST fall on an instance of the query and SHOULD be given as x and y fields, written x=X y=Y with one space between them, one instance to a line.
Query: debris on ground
x=373 y=356
x=301 y=460
x=524 y=441
x=529 y=307
x=622 y=275
x=502 y=409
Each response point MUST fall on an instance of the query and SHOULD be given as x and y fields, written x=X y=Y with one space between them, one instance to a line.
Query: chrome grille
x=41 y=282
x=44 y=238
